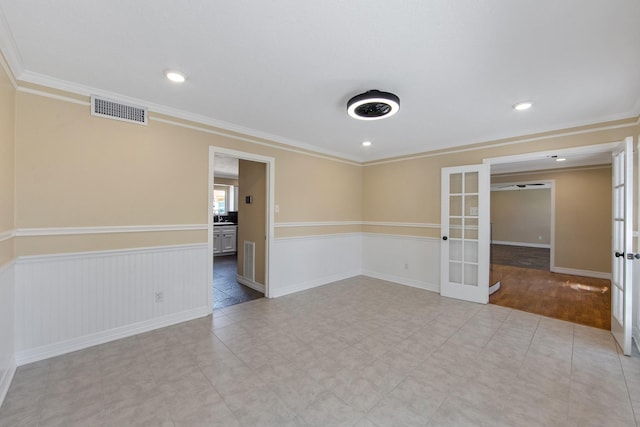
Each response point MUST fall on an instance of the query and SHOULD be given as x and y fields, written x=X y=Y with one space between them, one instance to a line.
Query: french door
x=622 y=245
x=464 y=254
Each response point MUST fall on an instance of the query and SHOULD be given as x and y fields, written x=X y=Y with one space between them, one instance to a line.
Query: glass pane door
x=465 y=228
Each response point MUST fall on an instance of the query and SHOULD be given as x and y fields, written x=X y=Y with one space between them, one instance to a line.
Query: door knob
x=444 y=237
x=619 y=254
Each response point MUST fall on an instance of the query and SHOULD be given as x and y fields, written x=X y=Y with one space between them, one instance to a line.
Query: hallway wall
x=521 y=217
x=7 y=197
x=582 y=216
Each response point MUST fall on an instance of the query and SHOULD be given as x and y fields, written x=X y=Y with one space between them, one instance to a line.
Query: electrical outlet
x=277 y=208
x=159 y=296
x=406 y=265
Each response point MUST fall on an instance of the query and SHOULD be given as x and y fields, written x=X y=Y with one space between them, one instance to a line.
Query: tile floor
x=359 y=352
x=226 y=289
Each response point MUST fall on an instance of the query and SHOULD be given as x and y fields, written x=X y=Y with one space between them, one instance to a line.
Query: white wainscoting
x=7 y=360
x=68 y=302
x=411 y=261
x=300 y=263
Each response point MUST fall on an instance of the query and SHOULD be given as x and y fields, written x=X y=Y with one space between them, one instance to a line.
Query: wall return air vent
x=118 y=111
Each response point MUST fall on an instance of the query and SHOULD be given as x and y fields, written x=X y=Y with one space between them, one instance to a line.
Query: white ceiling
x=284 y=69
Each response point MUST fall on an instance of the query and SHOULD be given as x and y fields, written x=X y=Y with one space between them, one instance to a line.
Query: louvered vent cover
x=118 y=111
x=249 y=264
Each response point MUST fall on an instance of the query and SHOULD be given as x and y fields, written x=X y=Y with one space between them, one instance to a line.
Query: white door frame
x=608 y=147
x=270 y=163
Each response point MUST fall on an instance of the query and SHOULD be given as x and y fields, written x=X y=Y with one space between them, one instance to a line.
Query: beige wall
x=407 y=190
x=7 y=147
x=252 y=182
x=521 y=216
x=315 y=189
x=582 y=216
x=77 y=170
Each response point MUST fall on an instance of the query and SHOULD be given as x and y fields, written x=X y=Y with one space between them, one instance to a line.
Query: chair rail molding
x=59 y=231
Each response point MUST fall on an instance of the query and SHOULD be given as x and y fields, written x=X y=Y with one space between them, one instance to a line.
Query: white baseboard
x=250 y=283
x=303 y=286
x=5 y=381
x=524 y=244
x=432 y=287
x=584 y=273
x=79 y=343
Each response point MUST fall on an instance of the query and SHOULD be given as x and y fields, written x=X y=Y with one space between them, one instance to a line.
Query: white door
x=622 y=245
x=464 y=254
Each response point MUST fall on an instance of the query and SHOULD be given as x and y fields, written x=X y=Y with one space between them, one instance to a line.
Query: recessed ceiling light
x=175 y=76
x=521 y=106
x=560 y=159
x=366 y=143
x=373 y=105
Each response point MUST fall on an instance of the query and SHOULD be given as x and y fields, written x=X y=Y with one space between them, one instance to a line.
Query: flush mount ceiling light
x=175 y=76
x=521 y=106
x=373 y=105
x=366 y=143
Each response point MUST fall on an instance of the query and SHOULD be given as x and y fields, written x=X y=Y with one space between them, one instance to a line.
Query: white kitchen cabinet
x=224 y=239
x=217 y=241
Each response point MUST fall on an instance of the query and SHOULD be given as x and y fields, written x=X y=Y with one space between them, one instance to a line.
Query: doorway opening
x=525 y=246
x=240 y=226
x=522 y=223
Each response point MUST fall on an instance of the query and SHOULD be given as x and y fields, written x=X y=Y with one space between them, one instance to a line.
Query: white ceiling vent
x=117 y=110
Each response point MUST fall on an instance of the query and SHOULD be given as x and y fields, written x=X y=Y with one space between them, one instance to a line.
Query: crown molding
x=79 y=89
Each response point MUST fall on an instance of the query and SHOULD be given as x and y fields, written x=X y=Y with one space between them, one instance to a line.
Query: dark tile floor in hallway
x=226 y=289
